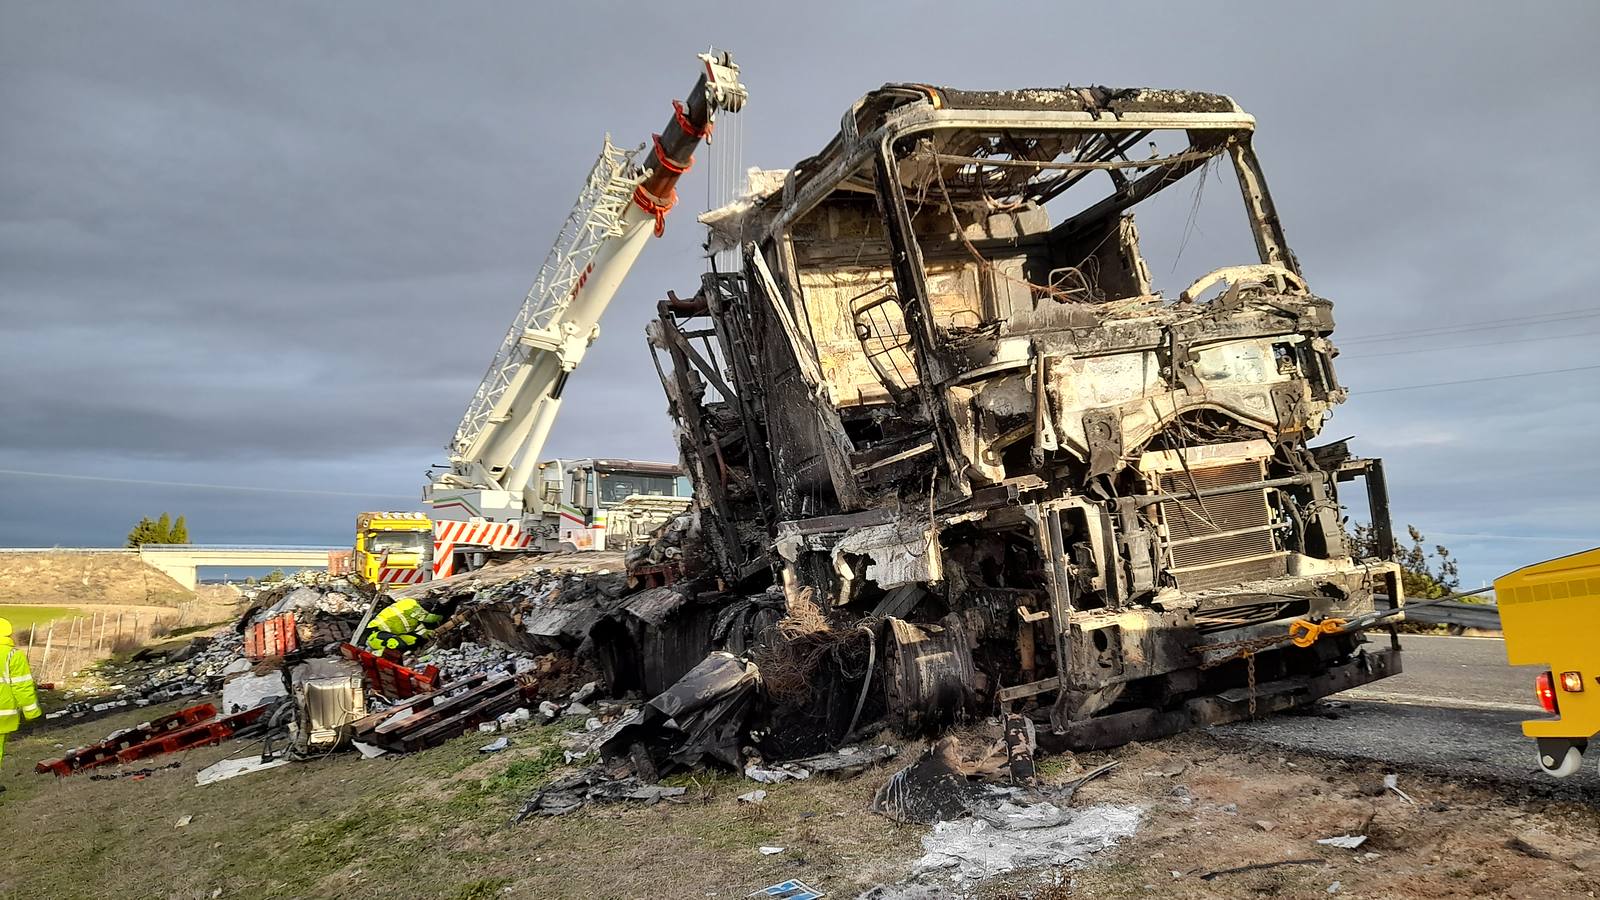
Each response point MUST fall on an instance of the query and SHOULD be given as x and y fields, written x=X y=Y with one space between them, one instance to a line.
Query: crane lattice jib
x=595 y=218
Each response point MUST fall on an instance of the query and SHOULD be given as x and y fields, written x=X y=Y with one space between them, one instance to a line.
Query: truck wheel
x=1570 y=762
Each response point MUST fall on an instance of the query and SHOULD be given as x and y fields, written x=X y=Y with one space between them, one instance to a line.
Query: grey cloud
x=277 y=244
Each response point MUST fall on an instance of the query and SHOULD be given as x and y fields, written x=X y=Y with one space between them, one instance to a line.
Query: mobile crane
x=495 y=494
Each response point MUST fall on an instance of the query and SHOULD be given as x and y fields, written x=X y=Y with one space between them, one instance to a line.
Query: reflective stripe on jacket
x=18 y=700
x=380 y=641
x=404 y=617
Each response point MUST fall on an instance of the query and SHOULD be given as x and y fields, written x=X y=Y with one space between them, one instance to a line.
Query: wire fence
x=58 y=648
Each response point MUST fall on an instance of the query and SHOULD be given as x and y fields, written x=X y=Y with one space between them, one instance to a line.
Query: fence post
x=49 y=638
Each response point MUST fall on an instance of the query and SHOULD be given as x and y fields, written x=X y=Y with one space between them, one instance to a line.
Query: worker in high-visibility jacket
x=399 y=626
x=17 y=698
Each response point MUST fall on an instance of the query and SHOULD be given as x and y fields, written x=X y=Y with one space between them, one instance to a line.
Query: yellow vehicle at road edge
x=1548 y=613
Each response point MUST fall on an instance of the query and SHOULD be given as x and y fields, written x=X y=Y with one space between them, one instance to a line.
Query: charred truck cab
x=943 y=398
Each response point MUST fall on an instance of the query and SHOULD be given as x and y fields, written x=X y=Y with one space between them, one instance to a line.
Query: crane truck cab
x=1547 y=613
x=393 y=548
x=610 y=504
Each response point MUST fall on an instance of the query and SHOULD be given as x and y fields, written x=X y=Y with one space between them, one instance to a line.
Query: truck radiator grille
x=1220 y=540
x=1207 y=621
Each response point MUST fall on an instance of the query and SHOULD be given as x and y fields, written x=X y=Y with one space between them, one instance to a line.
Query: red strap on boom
x=656 y=206
x=681 y=115
x=668 y=162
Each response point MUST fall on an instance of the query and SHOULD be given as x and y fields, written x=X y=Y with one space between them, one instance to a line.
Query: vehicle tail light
x=1572 y=682
x=1545 y=687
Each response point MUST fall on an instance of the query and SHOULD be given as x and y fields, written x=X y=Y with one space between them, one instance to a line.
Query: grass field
x=435 y=824
x=430 y=824
x=23 y=617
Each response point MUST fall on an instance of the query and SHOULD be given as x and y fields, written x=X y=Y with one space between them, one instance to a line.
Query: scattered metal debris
x=934 y=788
x=1392 y=782
x=134 y=774
x=233 y=768
x=1313 y=861
x=701 y=717
x=592 y=785
x=789 y=890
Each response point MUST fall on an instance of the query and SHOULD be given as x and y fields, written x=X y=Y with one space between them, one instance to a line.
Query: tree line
x=165 y=530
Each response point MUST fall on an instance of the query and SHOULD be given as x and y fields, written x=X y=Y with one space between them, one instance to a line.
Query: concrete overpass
x=181 y=561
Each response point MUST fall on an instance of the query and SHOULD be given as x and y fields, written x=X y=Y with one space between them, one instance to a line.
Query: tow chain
x=1245 y=650
x=1302 y=633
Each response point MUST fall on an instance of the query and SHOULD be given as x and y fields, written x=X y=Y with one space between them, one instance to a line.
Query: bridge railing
x=286 y=548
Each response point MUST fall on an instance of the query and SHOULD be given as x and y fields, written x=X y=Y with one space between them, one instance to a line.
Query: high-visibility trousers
x=380 y=641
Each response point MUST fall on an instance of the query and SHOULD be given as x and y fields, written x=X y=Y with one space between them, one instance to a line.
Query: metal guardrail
x=1485 y=616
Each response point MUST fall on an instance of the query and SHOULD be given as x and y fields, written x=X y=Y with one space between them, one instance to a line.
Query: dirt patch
x=1215 y=808
x=75 y=579
x=436 y=824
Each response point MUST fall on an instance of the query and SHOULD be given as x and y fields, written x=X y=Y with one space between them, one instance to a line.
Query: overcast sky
x=273 y=246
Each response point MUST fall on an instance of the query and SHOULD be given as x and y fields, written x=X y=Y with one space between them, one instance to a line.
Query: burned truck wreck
x=942 y=402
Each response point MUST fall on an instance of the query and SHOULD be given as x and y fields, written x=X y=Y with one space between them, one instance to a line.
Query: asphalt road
x=1456 y=710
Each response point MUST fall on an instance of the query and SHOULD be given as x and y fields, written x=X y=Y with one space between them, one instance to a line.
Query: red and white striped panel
x=387 y=575
x=500 y=535
x=444 y=564
x=478 y=534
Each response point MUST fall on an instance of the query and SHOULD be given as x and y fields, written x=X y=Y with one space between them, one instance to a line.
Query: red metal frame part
x=390 y=679
x=204 y=734
x=105 y=752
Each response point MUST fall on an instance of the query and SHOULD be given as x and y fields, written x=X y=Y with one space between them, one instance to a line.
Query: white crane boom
x=495 y=452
